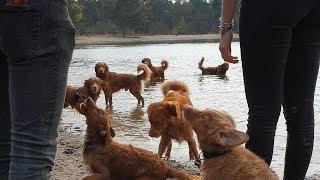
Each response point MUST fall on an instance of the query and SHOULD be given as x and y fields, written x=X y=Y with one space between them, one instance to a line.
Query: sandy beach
x=84 y=40
x=69 y=163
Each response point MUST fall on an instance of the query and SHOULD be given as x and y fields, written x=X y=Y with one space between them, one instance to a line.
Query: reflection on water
x=224 y=93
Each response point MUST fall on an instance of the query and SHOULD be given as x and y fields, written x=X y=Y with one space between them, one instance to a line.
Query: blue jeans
x=36 y=45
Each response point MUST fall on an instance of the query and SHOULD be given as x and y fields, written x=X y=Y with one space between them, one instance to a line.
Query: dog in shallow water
x=220 y=70
x=157 y=72
x=111 y=160
x=117 y=81
x=220 y=142
x=75 y=95
x=167 y=121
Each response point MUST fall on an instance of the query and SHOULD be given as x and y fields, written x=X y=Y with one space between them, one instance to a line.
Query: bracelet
x=224 y=23
x=224 y=27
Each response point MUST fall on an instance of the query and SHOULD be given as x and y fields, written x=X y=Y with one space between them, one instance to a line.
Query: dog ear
x=170 y=109
x=231 y=138
x=80 y=97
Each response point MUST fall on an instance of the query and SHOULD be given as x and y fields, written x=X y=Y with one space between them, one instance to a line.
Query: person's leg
x=299 y=87
x=5 y=121
x=263 y=68
x=265 y=38
x=38 y=61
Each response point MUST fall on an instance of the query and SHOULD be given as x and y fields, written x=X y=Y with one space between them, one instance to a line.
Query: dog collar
x=87 y=144
x=210 y=155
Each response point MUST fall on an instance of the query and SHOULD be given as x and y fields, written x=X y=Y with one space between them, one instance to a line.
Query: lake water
x=131 y=123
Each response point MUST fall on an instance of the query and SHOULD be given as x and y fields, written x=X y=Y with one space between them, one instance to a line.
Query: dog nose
x=100 y=71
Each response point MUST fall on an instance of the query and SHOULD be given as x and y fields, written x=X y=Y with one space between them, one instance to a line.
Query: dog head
x=162 y=115
x=223 y=68
x=97 y=118
x=146 y=61
x=215 y=129
x=101 y=69
x=93 y=85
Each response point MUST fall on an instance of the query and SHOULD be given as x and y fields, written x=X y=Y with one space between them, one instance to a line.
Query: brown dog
x=167 y=121
x=117 y=82
x=220 y=142
x=111 y=160
x=75 y=95
x=157 y=72
x=220 y=70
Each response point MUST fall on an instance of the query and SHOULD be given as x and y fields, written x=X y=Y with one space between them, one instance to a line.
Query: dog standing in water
x=117 y=81
x=157 y=72
x=167 y=121
x=76 y=95
x=220 y=70
x=224 y=156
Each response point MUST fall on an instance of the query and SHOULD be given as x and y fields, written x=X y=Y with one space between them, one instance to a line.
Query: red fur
x=157 y=72
x=220 y=70
x=117 y=81
x=76 y=95
x=109 y=159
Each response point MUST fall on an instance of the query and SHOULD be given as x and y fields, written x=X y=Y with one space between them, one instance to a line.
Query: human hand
x=225 y=47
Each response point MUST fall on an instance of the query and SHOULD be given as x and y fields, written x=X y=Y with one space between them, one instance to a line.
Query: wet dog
x=157 y=72
x=76 y=95
x=220 y=142
x=117 y=82
x=167 y=121
x=220 y=70
x=111 y=160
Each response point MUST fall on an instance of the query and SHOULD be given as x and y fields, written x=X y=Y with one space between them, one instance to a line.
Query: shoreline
x=69 y=163
x=101 y=39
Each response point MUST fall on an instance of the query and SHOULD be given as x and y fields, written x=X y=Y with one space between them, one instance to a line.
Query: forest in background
x=146 y=17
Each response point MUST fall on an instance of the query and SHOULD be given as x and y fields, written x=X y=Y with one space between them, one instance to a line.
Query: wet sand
x=84 y=40
x=69 y=163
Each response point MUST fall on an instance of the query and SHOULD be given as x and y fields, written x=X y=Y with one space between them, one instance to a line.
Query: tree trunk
x=124 y=31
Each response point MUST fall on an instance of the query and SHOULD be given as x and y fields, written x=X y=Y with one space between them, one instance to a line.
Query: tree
x=75 y=11
x=130 y=13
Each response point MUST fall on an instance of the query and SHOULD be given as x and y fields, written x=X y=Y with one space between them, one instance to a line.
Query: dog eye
x=203 y=117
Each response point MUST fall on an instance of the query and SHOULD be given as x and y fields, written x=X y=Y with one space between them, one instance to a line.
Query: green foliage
x=146 y=16
x=130 y=13
x=75 y=11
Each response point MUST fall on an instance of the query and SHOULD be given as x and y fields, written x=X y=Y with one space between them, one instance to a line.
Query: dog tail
x=174 y=85
x=164 y=64
x=177 y=174
x=201 y=63
x=145 y=76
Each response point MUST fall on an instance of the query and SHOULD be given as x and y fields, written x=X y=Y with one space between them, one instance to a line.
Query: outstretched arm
x=226 y=24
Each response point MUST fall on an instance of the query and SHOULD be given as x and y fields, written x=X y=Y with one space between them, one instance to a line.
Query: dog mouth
x=95 y=89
